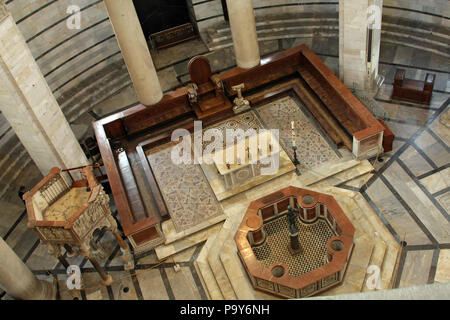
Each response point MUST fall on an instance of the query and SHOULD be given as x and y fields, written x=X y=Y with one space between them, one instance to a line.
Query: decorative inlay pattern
x=312 y=147
x=244 y=121
x=186 y=192
x=67 y=205
x=313 y=239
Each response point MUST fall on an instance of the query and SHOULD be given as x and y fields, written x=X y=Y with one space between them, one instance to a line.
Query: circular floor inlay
x=126 y=289
x=278 y=271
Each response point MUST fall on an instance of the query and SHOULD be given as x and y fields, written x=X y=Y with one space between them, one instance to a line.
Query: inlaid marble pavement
x=185 y=190
x=244 y=121
x=312 y=147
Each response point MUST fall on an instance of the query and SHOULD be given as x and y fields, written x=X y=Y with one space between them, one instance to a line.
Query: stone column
x=18 y=280
x=135 y=51
x=359 y=23
x=29 y=105
x=243 y=30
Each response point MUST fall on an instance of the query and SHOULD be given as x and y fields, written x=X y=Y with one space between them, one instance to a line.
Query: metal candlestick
x=296 y=162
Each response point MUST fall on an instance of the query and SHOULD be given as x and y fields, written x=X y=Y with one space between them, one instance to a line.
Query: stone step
x=305 y=26
x=14 y=166
x=417 y=42
x=326 y=170
x=323 y=32
x=235 y=271
x=205 y=273
x=75 y=103
x=9 y=181
x=401 y=32
x=361 y=169
x=358 y=182
x=377 y=260
x=357 y=267
x=426 y=35
x=114 y=84
x=393 y=248
x=365 y=221
x=215 y=264
x=166 y=250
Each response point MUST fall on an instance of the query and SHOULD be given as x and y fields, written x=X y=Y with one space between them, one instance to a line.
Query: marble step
x=323 y=32
x=276 y=27
x=366 y=222
x=235 y=271
x=359 y=170
x=166 y=250
x=205 y=273
x=390 y=262
x=357 y=267
x=115 y=83
x=215 y=264
x=376 y=259
x=9 y=155
x=78 y=102
x=360 y=181
x=417 y=42
x=326 y=170
x=416 y=33
x=402 y=32
x=14 y=174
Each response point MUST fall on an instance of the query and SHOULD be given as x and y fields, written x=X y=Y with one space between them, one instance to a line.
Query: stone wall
x=209 y=12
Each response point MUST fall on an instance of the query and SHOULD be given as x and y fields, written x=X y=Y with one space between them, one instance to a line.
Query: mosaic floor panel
x=244 y=121
x=312 y=147
x=185 y=189
x=313 y=239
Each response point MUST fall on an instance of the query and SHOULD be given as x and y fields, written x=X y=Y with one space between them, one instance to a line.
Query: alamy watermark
x=74 y=277
x=238 y=147
x=74 y=20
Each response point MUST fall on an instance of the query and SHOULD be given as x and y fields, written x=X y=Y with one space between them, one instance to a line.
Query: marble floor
x=409 y=190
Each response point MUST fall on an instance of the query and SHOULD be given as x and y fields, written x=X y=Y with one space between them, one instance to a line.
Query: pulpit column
x=135 y=52
x=18 y=280
x=243 y=30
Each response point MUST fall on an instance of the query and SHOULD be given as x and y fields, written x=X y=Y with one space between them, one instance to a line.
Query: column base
x=127 y=259
x=108 y=281
x=49 y=290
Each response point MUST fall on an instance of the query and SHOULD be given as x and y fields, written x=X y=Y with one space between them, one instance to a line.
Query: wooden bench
x=173 y=36
x=413 y=90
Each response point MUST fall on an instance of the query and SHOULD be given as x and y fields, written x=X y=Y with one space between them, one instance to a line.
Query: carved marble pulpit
x=66 y=216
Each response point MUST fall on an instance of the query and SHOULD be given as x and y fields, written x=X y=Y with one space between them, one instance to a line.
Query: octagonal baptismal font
x=295 y=243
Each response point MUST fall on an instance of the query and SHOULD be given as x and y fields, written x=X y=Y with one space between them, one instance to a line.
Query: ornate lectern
x=67 y=216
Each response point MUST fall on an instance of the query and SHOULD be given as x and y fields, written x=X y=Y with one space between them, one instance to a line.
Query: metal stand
x=296 y=162
x=294 y=246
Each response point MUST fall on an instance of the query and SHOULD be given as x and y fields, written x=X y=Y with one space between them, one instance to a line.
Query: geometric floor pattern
x=313 y=149
x=313 y=240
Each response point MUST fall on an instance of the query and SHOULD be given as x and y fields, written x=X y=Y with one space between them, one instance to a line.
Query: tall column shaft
x=359 y=30
x=243 y=31
x=133 y=45
x=18 y=280
x=30 y=107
